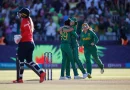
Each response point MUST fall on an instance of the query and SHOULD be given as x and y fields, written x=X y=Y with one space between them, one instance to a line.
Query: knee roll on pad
x=30 y=63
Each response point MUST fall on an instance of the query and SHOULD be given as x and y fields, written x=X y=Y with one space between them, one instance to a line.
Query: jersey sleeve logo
x=27 y=24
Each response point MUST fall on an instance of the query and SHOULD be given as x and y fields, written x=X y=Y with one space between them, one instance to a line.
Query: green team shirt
x=66 y=36
x=74 y=37
x=87 y=38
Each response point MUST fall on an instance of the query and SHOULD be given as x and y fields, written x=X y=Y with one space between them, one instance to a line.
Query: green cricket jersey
x=74 y=37
x=66 y=36
x=87 y=38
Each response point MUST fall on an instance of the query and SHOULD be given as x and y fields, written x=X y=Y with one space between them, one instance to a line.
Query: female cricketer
x=67 y=55
x=74 y=46
x=26 y=45
x=76 y=60
x=89 y=40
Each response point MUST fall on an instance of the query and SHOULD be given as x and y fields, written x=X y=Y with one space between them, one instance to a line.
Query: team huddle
x=69 y=47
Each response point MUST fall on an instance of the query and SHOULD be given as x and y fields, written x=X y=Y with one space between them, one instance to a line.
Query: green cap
x=73 y=19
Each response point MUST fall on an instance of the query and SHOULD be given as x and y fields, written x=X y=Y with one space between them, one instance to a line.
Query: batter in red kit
x=26 y=45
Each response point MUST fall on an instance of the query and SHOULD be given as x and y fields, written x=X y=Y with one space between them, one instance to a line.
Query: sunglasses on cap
x=84 y=26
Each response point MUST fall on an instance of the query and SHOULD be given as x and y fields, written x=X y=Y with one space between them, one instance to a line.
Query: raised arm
x=68 y=30
x=65 y=30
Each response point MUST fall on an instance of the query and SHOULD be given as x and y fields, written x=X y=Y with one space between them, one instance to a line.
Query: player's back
x=65 y=36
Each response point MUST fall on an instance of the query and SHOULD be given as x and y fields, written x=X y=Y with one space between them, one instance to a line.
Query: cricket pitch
x=112 y=79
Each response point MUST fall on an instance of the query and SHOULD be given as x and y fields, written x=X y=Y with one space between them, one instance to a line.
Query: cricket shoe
x=63 y=78
x=78 y=77
x=18 y=81
x=102 y=71
x=69 y=77
x=89 y=76
x=42 y=77
x=86 y=75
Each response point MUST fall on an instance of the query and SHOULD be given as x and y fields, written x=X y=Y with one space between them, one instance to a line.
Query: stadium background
x=106 y=17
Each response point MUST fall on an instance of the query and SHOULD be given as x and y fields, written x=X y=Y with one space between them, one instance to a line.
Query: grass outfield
x=112 y=79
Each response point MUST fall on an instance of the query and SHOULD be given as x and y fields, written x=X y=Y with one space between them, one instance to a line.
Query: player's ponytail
x=32 y=25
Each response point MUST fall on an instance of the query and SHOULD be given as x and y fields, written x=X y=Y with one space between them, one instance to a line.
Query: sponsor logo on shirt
x=88 y=38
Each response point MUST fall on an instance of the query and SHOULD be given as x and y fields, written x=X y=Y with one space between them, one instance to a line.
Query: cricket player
x=89 y=40
x=74 y=46
x=67 y=54
x=76 y=60
x=26 y=45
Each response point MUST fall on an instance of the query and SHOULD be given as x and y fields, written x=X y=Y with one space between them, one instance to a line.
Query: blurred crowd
x=109 y=18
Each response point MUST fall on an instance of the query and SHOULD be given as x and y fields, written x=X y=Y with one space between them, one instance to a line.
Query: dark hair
x=76 y=23
x=67 y=22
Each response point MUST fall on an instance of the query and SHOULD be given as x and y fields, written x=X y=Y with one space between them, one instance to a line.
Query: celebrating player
x=26 y=45
x=89 y=40
x=74 y=46
x=67 y=55
x=75 y=53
